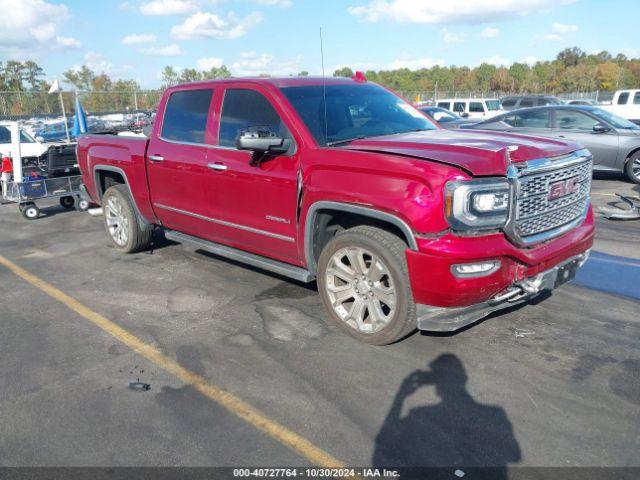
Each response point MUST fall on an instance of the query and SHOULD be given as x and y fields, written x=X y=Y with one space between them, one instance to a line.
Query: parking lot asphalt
x=555 y=383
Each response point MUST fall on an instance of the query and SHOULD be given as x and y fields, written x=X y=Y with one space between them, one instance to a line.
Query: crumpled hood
x=480 y=152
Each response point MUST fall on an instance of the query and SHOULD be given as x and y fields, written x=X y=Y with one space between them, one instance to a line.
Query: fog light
x=479 y=269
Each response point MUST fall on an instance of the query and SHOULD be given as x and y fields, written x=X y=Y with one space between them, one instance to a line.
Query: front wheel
x=632 y=168
x=30 y=211
x=364 y=284
x=121 y=222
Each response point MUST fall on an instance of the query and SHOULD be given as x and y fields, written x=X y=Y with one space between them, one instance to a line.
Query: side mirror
x=464 y=114
x=600 y=128
x=263 y=142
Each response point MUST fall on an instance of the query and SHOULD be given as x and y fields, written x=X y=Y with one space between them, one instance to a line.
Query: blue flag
x=80 y=120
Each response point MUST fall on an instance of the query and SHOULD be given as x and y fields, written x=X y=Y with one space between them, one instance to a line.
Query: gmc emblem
x=563 y=188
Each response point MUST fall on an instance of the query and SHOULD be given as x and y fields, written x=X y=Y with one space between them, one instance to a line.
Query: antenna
x=324 y=89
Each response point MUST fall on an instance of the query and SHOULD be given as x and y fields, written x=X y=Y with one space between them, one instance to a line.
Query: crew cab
x=403 y=224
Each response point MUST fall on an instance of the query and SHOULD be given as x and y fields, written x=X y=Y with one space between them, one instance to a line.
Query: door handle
x=156 y=158
x=217 y=166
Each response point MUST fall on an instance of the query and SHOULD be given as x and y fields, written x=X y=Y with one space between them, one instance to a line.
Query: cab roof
x=278 y=82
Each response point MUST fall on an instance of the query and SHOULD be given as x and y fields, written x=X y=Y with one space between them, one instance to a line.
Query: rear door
x=255 y=204
x=578 y=127
x=179 y=180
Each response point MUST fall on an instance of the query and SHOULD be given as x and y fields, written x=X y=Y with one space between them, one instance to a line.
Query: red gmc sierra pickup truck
x=403 y=224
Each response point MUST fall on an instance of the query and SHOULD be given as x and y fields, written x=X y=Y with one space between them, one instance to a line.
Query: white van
x=481 y=108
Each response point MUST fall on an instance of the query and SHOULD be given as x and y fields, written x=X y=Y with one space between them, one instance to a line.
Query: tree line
x=573 y=70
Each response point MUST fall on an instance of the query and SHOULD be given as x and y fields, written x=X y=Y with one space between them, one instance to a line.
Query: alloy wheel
x=117 y=221
x=361 y=290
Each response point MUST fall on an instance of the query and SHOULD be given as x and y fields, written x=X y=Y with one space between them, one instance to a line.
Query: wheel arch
x=99 y=179
x=319 y=217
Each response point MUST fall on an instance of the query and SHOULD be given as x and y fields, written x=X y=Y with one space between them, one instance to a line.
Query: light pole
x=56 y=88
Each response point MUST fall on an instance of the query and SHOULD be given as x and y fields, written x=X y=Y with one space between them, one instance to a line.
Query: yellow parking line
x=229 y=401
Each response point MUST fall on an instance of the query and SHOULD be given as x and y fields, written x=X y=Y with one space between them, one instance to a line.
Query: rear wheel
x=364 y=284
x=632 y=168
x=67 y=202
x=121 y=221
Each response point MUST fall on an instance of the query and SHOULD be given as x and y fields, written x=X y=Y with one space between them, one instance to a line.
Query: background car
x=444 y=117
x=613 y=141
x=472 y=107
x=582 y=101
x=524 y=101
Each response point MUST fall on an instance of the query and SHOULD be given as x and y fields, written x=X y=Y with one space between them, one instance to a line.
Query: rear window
x=533 y=119
x=493 y=105
x=446 y=105
x=185 y=118
x=623 y=98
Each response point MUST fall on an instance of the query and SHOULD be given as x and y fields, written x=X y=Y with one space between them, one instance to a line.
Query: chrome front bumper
x=444 y=319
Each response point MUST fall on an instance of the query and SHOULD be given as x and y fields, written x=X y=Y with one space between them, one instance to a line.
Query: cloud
x=209 y=63
x=172 y=50
x=530 y=60
x=138 y=38
x=278 y=3
x=489 y=32
x=564 y=28
x=497 y=60
x=451 y=11
x=210 y=25
x=168 y=7
x=67 y=42
x=32 y=25
x=415 y=63
x=452 y=37
x=252 y=64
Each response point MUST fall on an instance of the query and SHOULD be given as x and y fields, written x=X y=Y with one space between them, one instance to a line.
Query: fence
x=15 y=105
x=434 y=95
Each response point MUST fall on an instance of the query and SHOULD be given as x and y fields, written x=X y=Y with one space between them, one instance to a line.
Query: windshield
x=353 y=111
x=492 y=104
x=615 y=120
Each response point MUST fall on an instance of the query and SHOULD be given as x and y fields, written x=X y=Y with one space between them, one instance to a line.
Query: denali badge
x=563 y=188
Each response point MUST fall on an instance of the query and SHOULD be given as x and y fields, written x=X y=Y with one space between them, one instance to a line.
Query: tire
x=30 y=211
x=67 y=202
x=121 y=221
x=381 y=277
x=82 y=205
x=632 y=168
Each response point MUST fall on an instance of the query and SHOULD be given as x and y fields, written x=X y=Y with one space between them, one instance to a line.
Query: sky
x=137 y=38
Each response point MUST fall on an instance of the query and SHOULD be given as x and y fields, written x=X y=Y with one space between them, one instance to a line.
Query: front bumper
x=448 y=319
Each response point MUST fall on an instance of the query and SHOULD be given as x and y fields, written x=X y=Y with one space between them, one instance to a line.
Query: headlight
x=477 y=204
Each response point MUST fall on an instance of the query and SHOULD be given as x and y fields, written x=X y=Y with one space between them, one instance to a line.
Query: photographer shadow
x=456 y=433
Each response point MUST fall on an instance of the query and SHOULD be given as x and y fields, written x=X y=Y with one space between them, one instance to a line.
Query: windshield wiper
x=346 y=140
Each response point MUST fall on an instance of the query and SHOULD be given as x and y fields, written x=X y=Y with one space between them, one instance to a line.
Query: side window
x=243 y=109
x=510 y=120
x=526 y=102
x=534 y=119
x=5 y=135
x=509 y=103
x=569 y=119
x=185 y=117
x=458 y=107
x=623 y=98
x=636 y=98
x=446 y=105
x=476 y=107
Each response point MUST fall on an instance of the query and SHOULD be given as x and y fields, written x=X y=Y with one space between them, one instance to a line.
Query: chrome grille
x=535 y=217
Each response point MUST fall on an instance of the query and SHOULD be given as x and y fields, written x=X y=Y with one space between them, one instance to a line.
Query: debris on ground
x=139 y=386
x=617 y=213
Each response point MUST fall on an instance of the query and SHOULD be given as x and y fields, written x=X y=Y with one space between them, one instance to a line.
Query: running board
x=285 y=269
